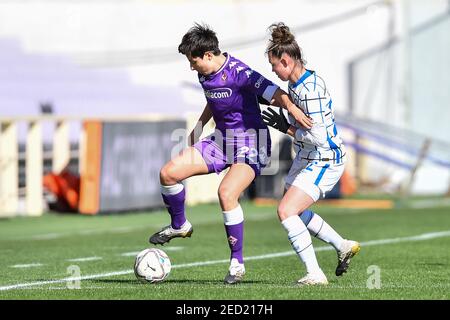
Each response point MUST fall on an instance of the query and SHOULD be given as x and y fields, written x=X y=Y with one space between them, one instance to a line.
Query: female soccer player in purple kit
x=241 y=140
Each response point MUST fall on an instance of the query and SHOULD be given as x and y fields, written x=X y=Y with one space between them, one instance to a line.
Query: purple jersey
x=232 y=93
x=240 y=136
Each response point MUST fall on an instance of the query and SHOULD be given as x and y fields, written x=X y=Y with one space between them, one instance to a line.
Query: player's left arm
x=279 y=100
x=201 y=122
x=269 y=92
x=283 y=100
x=316 y=135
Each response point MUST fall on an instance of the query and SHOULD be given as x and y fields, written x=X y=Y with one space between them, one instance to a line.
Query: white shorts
x=315 y=178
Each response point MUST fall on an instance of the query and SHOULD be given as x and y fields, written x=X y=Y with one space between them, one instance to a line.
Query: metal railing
x=23 y=164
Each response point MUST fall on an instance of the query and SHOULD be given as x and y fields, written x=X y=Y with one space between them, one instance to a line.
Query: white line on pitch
x=53 y=236
x=129 y=254
x=133 y=253
x=30 y=265
x=420 y=237
x=84 y=259
x=47 y=236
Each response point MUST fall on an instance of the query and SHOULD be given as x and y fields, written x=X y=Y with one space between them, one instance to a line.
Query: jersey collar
x=302 y=78
x=222 y=67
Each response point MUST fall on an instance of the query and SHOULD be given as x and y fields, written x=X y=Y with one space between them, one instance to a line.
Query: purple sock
x=175 y=206
x=235 y=236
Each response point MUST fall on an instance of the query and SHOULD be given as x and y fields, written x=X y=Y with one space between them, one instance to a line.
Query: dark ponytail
x=283 y=41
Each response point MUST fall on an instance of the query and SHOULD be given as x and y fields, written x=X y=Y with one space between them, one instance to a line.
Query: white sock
x=322 y=230
x=234 y=216
x=171 y=190
x=301 y=242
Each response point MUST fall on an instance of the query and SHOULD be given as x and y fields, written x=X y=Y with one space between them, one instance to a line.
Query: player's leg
x=319 y=179
x=187 y=164
x=237 y=179
x=296 y=200
x=320 y=229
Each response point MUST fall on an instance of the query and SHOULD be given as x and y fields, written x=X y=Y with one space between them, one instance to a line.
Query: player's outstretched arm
x=316 y=135
x=198 y=129
x=282 y=99
x=278 y=121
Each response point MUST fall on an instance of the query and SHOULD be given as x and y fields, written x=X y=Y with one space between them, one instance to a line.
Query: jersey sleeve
x=252 y=81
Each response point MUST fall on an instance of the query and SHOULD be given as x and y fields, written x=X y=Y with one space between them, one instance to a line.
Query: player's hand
x=261 y=100
x=275 y=120
x=301 y=118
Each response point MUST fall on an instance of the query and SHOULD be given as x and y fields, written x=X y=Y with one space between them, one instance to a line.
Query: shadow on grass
x=175 y=281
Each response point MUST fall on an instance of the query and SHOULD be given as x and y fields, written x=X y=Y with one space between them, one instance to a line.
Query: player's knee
x=167 y=175
x=227 y=197
x=283 y=212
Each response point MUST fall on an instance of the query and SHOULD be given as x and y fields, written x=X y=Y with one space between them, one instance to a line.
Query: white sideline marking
x=30 y=265
x=52 y=236
x=84 y=259
x=430 y=203
x=133 y=253
x=420 y=237
x=173 y=248
x=129 y=254
x=46 y=236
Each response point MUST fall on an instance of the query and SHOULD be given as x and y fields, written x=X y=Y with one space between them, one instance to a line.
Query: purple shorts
x=221 y=152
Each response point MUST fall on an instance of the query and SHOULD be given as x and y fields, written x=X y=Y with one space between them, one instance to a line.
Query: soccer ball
x=152 y=265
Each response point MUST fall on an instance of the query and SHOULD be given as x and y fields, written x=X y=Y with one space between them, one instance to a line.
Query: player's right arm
x=198 y=129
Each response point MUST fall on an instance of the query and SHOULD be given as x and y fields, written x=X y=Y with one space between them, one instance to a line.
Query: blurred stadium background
x=74 y=70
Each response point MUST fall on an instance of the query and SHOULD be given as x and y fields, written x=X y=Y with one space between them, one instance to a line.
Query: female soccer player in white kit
x=320 y=158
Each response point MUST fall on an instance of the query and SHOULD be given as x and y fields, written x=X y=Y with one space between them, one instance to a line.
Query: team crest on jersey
x=232 y=240
x=224 y=76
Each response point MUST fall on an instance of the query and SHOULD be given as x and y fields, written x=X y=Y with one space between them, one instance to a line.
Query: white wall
x=95 y=33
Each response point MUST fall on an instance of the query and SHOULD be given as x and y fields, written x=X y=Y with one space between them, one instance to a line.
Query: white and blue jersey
x=320 y=153
x=322 y=142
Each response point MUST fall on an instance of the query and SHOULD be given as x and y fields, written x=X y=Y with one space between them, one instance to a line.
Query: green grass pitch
x=407 y=248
